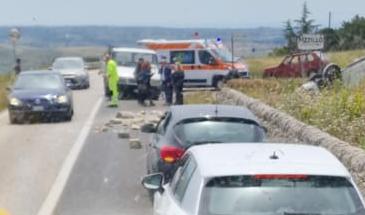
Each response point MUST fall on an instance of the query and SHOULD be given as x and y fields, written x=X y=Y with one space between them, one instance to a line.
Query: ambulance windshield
x=224 y=54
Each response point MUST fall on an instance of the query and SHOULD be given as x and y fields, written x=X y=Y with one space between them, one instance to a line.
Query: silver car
x=257 y=179
x=74 y=71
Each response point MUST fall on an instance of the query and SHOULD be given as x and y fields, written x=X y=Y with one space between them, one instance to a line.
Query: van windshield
x=130 y=59
x=324 y=195
x=224 y=54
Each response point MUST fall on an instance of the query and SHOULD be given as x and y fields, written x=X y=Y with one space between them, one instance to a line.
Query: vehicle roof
x=69 y=58
x=135 y=50
x=163 y=41
x=39 y=72
x=182 y=112
x=217 y=160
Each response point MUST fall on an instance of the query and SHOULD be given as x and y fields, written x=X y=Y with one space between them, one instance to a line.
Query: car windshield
x=68 y=64
x=290 y=195
x=218 y=130
x=130 y=59
x=224 y=54
x=38 y=81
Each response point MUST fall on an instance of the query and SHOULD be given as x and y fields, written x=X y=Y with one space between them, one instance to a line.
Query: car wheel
x=69 y=115
x=87 y=85
x=12 y=119
x=218 y=82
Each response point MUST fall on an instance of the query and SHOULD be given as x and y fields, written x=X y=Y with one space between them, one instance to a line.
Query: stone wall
x=286 y=127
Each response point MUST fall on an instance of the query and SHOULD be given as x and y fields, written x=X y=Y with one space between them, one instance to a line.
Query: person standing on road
x=178 y=83
x=18 y=67
x=113 y=78
x=144 y=83
x=138 y=75
x=166 y=79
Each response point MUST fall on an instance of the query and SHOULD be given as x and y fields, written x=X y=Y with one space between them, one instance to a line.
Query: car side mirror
x=149 y=128
x=8 y=88
x=153 y=182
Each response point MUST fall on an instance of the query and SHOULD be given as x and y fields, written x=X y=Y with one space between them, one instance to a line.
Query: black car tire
x=12 y=119
x=87 y=85
x=69 y=115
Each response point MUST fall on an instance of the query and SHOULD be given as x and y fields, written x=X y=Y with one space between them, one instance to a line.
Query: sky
x=172 y=13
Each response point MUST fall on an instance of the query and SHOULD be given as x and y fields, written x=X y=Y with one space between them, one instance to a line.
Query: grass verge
x=5 y=80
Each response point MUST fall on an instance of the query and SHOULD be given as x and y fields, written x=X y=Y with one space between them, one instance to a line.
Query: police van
x=205 y=62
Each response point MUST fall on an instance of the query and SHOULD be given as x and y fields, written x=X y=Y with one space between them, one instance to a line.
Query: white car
x=74 y=71
x=127 y=59
x=257 y=179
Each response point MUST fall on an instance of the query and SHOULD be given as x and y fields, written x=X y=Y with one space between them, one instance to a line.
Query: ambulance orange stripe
x=172 y=46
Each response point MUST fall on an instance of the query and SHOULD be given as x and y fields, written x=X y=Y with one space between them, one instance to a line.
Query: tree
x=304 y=24
x=331 y=39
x=290 y=36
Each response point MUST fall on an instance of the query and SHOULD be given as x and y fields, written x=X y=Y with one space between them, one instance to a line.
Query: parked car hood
x=71 y=72
x=126 y=72
x=36 y=93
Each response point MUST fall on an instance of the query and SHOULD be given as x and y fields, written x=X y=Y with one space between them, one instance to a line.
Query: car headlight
x=62 y=99
x=15 y=102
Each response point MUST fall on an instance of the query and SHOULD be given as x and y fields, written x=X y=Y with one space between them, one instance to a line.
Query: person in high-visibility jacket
x=113 y=79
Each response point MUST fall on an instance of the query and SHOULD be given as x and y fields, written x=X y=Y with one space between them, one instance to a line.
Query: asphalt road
x=105 y=178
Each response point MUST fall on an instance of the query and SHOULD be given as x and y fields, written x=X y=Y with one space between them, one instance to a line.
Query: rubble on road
x=135 y=144
x=125 y=115
x=123 y=134
x=127 y=124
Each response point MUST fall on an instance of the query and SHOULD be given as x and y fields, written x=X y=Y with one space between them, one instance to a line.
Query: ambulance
x=206 y=63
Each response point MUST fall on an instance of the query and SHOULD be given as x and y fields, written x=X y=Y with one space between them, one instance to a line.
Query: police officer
x=138 y=74
x=113 y=79
x=166 y=77
x=178 y=83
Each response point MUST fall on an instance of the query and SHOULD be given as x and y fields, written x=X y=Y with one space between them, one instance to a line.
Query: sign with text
x=310 y=42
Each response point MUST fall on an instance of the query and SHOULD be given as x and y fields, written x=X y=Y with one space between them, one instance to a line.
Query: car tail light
x=171 y=154
x=273 y=176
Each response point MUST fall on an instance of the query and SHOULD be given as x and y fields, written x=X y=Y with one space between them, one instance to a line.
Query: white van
x=205 y=62
x=127 y=59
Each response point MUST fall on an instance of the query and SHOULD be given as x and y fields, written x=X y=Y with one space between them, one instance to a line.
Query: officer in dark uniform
x=166 y=78
x=178 y=83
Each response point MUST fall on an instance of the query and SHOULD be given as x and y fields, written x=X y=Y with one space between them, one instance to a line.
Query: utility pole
x=14 y=36
x=330 y=19
x=232 y=47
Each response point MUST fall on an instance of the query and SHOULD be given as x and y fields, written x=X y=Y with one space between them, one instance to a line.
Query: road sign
x=310 y=42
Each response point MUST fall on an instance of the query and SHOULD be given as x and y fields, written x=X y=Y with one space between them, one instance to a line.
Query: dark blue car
x=40 y=94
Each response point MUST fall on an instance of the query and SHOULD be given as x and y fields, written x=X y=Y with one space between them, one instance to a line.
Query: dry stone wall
x=287 y=127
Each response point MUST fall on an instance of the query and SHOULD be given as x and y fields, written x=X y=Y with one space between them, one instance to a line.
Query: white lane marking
x=54 y=195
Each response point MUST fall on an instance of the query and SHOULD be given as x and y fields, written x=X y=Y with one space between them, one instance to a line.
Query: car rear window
x=304 y=195
x=218 y=130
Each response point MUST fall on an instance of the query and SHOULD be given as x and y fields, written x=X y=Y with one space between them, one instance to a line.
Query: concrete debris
x=135 y=144
x=123 y=134
x=116 y=121
x=125 y=115
x=136 y=127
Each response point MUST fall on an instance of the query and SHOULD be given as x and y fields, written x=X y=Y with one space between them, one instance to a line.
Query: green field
x=4 y=82
x=337 y=110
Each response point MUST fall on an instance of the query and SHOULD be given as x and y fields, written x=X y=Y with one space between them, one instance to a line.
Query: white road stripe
x=54 y=195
